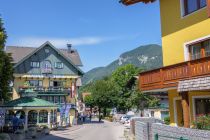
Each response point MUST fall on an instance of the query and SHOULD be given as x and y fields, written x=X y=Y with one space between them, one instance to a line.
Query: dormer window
x=58 y=65
x=190 y=6
x=35 y=64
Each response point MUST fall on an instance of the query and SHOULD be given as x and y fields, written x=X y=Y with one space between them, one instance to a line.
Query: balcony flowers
x=202 y=122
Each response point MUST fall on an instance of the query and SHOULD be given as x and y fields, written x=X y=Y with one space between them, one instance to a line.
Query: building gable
x=45 y=59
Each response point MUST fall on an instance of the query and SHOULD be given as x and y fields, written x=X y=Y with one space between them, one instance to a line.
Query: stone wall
x=141 y=131
x=143 y=127
x=166 y=132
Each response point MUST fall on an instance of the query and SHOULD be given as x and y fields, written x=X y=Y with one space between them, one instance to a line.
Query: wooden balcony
x=168 y=77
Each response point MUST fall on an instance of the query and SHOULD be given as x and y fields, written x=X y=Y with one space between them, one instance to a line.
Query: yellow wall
x=17 y=83
x=177 y=30
x=72 y=115
x=173 y=94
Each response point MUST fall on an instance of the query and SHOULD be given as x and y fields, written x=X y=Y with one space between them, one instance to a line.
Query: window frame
x=40 y=83
x=202 y=50
x=184 y=6
x=56 y=65
x=35 y=66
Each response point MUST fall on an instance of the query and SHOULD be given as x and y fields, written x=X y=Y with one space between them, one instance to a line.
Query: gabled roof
x=129 y=2
x=33 y=51
x=19 y=52
x=29 y=102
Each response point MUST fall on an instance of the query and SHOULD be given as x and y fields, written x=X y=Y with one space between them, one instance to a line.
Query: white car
x=123 y=119
x=127 y=123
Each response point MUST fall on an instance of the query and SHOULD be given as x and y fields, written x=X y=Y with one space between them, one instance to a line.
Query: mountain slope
x=146 y=57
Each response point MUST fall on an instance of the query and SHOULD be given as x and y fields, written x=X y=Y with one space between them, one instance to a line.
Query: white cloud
x=60 y=42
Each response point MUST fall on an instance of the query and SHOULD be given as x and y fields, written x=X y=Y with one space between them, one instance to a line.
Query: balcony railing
x=44 y=90
x=168 y=77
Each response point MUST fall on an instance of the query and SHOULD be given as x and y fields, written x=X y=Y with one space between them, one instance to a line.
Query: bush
x=202 y=122
x=167 y=120
x=4 y=136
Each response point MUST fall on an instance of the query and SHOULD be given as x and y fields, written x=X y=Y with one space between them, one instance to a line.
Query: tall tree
x=89 y=102
x=104 y=95
x=6 y=67
x=121 y=76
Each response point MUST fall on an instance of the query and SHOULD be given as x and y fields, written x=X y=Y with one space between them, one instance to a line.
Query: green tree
x=121 y=77
x=89 y=102
x=6 y=67
x=104 y=95
x=85 y=88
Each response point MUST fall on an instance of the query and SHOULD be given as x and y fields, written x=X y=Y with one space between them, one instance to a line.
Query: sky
x=100 y=30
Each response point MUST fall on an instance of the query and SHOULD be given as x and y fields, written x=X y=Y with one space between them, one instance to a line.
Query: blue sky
x=100 y=30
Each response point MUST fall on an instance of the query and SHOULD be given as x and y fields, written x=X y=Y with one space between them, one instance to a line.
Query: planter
x=4 y=136
x=19 y=135
x=32 y=132
x=46 y=131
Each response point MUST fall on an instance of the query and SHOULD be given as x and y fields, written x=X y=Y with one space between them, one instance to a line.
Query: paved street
x=92 y=131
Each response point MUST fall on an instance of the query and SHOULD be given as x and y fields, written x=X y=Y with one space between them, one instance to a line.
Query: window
x=43 y=116
x=56 y=99
x=207 y=47
x=193 y=5
x=51 y=99
x=195 y=51
x=62 y=99
x=35 y=83
x=59 y=65
x=56 y=83
x=199 y=50
x=35 y=64
x=202 y=107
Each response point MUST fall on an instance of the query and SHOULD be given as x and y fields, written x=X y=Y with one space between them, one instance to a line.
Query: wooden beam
x=186 y=110
x=208 y=7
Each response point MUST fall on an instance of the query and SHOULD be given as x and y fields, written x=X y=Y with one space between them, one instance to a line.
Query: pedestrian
x=14 y=122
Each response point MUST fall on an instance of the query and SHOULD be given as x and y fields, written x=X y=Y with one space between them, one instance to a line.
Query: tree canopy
x=6 y=67
x=120 y=90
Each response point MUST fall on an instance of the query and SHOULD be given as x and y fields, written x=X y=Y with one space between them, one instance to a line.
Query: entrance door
x=179 y=115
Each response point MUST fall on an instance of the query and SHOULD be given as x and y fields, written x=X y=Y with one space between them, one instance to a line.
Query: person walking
x=15 y=122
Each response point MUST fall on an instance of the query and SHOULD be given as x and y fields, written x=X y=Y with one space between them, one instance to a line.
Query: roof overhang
x=159 y=90
x=129 y=2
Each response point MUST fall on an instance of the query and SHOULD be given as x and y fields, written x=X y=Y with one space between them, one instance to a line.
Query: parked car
x=127 y=123
x=124 y=119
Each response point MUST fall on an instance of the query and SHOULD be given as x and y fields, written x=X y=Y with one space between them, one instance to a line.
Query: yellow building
x=50 y=74
x=186 y=50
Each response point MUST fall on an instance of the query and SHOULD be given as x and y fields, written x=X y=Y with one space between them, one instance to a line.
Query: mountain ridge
x=146 y=57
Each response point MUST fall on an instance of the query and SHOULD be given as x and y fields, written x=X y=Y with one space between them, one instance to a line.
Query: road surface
x=91 y=131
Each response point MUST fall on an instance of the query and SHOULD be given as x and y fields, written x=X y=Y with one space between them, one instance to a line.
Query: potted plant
x=19 y=135
x=32 y=132
x=46 y=129
x=4 y=136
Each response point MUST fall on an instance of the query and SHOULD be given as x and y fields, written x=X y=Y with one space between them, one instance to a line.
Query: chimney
x=69 y=48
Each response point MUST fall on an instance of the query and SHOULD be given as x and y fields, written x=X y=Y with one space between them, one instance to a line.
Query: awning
x=194 y=84
x=29 y=102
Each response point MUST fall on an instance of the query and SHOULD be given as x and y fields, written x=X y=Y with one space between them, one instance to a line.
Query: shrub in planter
x=202 y=122
x=4 y=136
x=32 y=132
x=167 y=120
x=46 y=129
x=19 y=135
